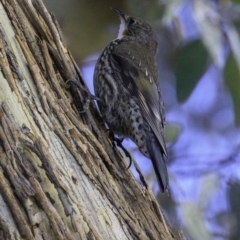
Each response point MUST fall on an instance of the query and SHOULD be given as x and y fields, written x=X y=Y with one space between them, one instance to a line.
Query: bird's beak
x=122 y=15
x=123 y=28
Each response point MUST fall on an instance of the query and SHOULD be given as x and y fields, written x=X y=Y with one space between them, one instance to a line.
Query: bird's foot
x=90 y=96
x=118 y=142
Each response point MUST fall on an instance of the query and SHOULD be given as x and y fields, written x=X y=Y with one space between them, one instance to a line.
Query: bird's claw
x=119 y=144
x=89 y=98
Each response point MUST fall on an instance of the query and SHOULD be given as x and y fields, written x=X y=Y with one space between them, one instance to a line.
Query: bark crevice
x=61 y=177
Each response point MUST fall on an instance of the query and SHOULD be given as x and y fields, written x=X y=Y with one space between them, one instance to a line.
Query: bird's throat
x=122 y=30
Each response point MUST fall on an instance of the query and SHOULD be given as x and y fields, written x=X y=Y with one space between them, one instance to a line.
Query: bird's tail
x=158 y=160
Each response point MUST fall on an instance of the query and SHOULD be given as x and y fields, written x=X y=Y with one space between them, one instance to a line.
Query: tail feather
x=158 y=160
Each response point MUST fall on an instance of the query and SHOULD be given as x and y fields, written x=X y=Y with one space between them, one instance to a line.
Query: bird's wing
x=137 y=76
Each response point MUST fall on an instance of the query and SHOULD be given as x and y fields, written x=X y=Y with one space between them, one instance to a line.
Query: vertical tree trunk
x=60 y=175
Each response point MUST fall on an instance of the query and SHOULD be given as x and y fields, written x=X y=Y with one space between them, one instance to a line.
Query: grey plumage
x=126 y=82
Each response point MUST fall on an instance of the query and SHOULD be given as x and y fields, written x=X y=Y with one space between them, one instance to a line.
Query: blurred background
x=199 y=63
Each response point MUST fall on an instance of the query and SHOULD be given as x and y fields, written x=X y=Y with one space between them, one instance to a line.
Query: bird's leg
x=77 y=83
x=90 y=97
x=118 y=142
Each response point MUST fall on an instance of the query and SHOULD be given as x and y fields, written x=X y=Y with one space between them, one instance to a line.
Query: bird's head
x=138 y=29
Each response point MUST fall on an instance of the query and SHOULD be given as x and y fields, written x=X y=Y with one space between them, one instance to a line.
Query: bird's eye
x=131 y=21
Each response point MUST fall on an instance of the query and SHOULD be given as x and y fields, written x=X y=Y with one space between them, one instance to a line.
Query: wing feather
x=140 y=82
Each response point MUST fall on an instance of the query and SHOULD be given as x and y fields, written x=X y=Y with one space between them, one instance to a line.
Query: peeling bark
x=60 y=175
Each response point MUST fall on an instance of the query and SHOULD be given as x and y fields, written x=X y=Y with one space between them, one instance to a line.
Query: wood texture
x=60 y=175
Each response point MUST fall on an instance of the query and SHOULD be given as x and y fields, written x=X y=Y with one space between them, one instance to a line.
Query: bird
x=127 y=88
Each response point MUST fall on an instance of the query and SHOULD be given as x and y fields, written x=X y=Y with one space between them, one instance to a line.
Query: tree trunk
x=60 y=175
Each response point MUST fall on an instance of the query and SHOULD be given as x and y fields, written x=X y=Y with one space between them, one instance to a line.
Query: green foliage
x=190 y=63
x=194 y=222
x=171 y=133
x=232 y=80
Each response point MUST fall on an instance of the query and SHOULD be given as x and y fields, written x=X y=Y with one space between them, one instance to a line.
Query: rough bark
x=60 y=175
